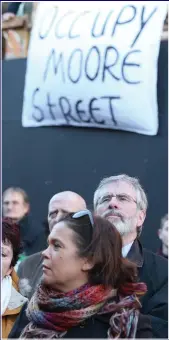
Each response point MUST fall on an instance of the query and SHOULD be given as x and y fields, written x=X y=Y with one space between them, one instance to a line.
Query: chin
x=45 y=282
x=112 y=220
x=44 y=279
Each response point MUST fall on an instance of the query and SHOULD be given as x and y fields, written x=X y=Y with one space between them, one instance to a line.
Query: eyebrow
x=54 y=240
x=56 y=210
x=53 y=211
x=5 y=249
x=111 y=194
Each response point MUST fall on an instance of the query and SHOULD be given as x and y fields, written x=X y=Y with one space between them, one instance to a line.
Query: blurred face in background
x=6 y=256
x=63 y=203
x=163 y=234
x=14 y=205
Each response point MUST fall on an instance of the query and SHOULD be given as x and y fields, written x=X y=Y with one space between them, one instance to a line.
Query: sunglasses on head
x=83 y=213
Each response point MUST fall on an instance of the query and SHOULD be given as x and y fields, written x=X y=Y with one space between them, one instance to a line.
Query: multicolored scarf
x=52 y=313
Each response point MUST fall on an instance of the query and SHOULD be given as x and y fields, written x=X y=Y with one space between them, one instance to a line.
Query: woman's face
x=7 y=255
x=63 y=269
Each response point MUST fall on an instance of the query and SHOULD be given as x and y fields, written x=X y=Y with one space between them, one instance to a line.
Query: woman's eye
x=56 y=245
x=4 y=255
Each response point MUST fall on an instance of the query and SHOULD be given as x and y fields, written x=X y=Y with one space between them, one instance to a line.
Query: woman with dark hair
x=11 y=300
x=87 y=290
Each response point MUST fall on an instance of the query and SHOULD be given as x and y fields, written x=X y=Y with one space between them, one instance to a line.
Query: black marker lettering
x=119 y=20
x=110 y=98
x=92 y=109
x=50 y=106
x=108 y=66
x=129 y=64
x=63 y=35
x=74 y=35
x=81 y=112
x=55 y=65
x=43 y=35
x=143 y=23
x=102 y=30
x=90 y=63
x=40 y=115
x=77 y=66
x=66 y=110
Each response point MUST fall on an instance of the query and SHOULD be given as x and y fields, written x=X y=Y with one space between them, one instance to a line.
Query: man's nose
x=9 y=206
x=114 y=203
x=60 y=215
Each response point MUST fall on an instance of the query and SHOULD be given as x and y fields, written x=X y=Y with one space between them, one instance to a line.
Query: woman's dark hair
x=11 y=235
x=102 y=243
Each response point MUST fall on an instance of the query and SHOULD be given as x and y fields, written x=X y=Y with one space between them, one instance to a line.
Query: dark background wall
x=47 y=160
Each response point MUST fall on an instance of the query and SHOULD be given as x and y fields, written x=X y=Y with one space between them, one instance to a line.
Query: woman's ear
x=9 y=271
x=87 y=265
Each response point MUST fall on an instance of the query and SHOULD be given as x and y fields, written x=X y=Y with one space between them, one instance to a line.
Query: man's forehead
x=57 y=202
x=13 y=195
x=117 y=187
x=63 y=204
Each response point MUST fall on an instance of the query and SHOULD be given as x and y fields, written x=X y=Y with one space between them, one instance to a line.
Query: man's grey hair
x=141 y=197
x=163 y=220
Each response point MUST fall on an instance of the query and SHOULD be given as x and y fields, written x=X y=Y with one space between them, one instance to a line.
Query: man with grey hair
x=122 y=200
x=30 y=270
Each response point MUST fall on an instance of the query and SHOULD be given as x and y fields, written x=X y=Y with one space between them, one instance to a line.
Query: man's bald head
x=62 y=203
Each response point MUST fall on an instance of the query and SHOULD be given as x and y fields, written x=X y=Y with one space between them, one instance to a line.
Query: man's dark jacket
x=32 y=235
x=152 y=269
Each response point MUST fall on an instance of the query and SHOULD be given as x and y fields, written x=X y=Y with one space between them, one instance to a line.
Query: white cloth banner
x=94 y=64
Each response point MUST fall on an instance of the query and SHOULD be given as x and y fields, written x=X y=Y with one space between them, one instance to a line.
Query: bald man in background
x=30 y=270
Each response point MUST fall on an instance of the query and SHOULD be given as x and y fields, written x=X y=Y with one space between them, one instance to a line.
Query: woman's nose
x=45 y=253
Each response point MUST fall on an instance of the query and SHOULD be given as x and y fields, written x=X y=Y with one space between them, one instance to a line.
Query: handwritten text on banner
x=94 y=64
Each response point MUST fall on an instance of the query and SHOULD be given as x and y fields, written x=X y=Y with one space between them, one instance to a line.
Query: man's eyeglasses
x=123 y=198
x=83 y=213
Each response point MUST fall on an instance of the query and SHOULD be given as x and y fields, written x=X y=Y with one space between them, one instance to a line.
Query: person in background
x=11 y=11
x=163 y=236
x=88 y=290
x=19 y=9
x=30 y=270
x=122 y=200
x=11 y=300
x=16 y=206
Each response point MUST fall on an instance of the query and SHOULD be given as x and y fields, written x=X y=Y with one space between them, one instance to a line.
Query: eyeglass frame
x=116 y=196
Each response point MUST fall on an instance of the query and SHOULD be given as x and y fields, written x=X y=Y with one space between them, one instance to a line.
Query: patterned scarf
x=52 y=314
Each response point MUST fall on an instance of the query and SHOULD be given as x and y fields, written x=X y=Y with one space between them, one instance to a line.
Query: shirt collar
x=126 y=249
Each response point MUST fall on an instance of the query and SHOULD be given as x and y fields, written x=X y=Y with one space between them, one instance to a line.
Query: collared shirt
x=126 y=249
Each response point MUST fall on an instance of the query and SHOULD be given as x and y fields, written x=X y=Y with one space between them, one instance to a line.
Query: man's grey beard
x=124 y=225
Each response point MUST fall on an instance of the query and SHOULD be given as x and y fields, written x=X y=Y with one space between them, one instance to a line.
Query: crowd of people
x=91 y=276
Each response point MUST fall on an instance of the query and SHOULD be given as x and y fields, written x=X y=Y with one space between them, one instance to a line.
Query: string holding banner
x=94 y=65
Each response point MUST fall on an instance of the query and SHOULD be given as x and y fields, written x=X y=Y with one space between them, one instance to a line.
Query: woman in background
x=11 y=300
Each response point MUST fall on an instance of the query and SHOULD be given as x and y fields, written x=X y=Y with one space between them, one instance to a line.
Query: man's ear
x=159 y=233
x=27 y=208
x=141 y=217
x=87 y=265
